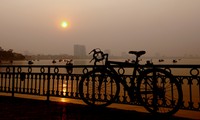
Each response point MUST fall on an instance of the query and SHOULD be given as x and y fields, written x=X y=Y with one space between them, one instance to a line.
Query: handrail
x=54 y=80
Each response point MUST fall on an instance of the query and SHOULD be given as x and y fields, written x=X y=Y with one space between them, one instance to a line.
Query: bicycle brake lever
x=95 y=50
x=91 y=60
x=92 y=51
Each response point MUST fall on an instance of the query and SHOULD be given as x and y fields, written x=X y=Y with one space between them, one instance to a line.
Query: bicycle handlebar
x=98 y=55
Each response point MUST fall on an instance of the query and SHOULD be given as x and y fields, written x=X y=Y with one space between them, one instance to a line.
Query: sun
x=64 y=24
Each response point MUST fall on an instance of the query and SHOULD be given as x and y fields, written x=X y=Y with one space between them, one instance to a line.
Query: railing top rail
x=28 y=78
x=77 y=66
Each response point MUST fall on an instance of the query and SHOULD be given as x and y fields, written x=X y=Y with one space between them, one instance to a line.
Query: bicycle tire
x=99 y=87
x=164 y=96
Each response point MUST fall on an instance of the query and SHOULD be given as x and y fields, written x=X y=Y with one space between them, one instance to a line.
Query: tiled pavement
x=28 y=109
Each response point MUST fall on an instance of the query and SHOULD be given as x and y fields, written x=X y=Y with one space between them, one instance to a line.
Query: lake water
x=181 y=71
x=86 y=61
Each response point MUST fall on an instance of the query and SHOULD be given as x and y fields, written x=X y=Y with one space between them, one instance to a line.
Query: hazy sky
x=165 y=27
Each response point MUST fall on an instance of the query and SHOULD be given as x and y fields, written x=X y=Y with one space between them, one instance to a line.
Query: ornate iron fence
x=63 y=81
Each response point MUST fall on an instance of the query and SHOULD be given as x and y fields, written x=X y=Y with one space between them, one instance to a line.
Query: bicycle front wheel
x=99 y=87
x=159 y=92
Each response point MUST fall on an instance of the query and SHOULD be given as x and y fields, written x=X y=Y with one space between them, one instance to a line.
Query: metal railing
x=63 y=81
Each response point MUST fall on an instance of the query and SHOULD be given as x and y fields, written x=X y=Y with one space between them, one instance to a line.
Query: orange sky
x=161 y=27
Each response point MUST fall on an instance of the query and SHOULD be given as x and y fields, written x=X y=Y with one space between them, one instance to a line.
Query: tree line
x=10 y=55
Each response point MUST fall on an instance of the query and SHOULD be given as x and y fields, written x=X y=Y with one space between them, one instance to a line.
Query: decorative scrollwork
x=121 y=71
x=42 y=70
x=29 y=69
x=168 y=69
x=85 y=70
x=7 y=69
x=19 y=69
x=56 y=70
x=194 y=72
x=33 y=80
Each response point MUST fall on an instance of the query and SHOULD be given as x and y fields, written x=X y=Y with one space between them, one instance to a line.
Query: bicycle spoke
x=159 y=94
x=101 y=89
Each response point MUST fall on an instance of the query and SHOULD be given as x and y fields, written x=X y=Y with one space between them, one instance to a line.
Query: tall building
x=79 y=51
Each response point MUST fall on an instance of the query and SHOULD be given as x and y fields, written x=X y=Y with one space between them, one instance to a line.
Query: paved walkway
x=28 y=109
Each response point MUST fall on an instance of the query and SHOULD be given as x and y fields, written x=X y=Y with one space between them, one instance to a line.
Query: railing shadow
x=82 y=112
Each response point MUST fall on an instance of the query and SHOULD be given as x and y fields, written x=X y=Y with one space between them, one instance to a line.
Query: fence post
x=48 y=84
x=13 y=81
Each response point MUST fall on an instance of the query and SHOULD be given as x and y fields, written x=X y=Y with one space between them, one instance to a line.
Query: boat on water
x=30 y=62
x=54 y=61
x=174 y=61
x=160 y=60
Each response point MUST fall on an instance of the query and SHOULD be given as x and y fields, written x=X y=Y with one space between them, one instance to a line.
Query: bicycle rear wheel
x=99 y=87
x=159 y=92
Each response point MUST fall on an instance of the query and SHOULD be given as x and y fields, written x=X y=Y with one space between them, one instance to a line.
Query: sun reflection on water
x=64 y=100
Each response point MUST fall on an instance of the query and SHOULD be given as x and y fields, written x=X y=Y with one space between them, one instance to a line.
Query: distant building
x=79 y=51
x=1 y=49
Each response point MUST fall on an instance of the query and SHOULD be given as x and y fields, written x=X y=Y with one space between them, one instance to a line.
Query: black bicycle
x=155 y=88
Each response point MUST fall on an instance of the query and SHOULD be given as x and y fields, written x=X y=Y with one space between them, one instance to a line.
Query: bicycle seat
x=137 y=53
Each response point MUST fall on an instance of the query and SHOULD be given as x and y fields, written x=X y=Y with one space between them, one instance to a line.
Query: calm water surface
x=86 y=61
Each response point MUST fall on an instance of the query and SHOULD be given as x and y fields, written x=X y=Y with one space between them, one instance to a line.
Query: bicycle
x=156 y=89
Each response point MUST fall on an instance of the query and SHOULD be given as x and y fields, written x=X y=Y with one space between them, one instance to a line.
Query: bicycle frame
x=132 y=88
x=153 y=87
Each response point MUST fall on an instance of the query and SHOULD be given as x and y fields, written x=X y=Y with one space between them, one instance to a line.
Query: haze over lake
x=167 y=27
